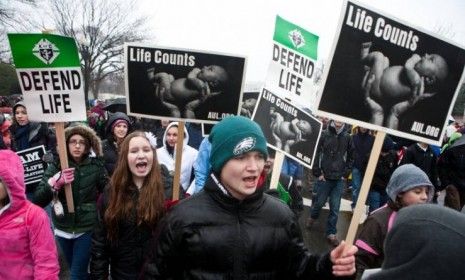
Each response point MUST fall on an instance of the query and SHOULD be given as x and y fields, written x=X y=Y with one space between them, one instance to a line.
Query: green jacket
x=90 y=177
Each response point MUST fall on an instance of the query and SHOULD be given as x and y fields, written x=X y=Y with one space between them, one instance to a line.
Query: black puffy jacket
x=110 y=155
x=214 y=236
x=334 y=158
x=127 y=255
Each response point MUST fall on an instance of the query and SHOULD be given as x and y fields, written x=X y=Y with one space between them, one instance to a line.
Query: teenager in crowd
x=133 y=203
x=88 y=177
x=232 y=230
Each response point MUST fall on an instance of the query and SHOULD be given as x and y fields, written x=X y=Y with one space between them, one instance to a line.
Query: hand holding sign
x=66 y=176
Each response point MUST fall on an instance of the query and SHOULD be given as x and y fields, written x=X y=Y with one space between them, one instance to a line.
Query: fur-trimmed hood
x=89 y=134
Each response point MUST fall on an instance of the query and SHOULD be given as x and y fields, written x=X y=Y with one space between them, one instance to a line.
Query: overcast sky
x=245 y=27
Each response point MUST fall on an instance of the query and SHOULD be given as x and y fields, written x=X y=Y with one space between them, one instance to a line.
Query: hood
x=117 y=116
x=332 y=128
x=186 y=134
x=12 y=175
x=427 y=241
x=407 y=177
x=89 y=134
x=19 y=103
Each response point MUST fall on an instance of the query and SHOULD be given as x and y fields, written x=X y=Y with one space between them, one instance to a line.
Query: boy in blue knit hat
x=231 y=229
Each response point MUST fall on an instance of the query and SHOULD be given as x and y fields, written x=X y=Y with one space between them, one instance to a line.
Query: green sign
x=295 y=38
x=49 y=72
x=43 y=51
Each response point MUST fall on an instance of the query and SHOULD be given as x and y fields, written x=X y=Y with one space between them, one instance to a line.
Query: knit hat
x=115 y=118
x=19 y=103
x=234 y=136
x=407 y=177
x=115 y=123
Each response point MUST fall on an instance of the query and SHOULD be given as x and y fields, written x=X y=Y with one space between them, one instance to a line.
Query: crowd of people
x=228 y=222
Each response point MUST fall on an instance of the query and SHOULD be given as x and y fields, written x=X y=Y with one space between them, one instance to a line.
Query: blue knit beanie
x=407 y=177
x=234 y=136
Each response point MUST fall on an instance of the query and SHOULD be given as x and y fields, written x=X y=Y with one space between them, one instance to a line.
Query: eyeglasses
x=76 y=142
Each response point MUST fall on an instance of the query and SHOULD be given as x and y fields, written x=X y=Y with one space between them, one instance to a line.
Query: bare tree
x=13 y=17
x=9 y=13
x=100 y=28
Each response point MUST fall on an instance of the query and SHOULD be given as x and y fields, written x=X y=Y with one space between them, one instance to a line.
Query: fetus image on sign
x=182 y=96
x=287 y=133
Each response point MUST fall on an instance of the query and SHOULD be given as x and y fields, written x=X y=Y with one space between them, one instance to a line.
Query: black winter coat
x=451 y=165
x=425 y=160
x=334 y=158
x=385 y=167
x=127 y=256
x=110 y=156
x=212 y=235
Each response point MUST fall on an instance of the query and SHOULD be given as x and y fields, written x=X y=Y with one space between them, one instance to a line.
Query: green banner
x=296 y=38
x=43 y=51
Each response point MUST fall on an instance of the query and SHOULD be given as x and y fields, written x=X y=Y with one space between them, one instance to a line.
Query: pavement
x=315 y=238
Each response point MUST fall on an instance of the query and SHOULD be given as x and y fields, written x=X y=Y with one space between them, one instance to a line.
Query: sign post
x=49 y=73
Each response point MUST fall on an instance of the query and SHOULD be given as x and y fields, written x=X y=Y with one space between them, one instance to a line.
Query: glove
x=170 y=203
x=66 y=176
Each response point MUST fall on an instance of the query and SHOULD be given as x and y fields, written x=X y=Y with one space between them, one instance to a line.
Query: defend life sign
x=50 y=76
x=292 y=68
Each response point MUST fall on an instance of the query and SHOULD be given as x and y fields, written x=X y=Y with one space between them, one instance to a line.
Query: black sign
x=287 y=128
x=182 y=85
x=34 y=167
x=387 y=75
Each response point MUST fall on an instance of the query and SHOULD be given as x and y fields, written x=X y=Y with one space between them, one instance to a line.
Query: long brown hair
x=150 y=207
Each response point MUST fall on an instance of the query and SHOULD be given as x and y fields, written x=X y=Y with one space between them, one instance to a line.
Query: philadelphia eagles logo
x=45 y=51
x=244 y=146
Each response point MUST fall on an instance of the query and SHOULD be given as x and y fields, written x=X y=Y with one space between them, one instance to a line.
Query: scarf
x=22 y=137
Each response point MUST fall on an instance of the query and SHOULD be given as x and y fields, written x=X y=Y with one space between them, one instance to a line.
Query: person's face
x=120 y=130
x=3 y=192
x=172 y=136
x=77 y=146
x=337 y=124
x=304 y=126
x=212 y=73
x=240 y=174
x=414 y=196
x=21 y=115
x=140 y=157
x=269 y=165
x=249 y=103
x=432 y=65
x=164 y=123
x=362 y=130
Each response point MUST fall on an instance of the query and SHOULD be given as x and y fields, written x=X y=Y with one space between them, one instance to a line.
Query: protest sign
x=292 y=68
x=388 y=75
x=287 y=128
x=34 y=166
x=182 y=85
x=49 y=73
